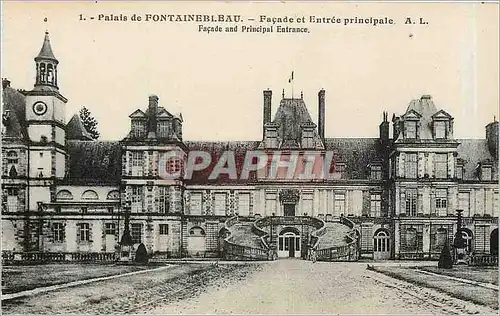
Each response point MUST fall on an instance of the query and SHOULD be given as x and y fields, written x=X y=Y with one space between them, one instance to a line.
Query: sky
x=216 y=80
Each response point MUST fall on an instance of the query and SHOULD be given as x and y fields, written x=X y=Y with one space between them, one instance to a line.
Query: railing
x=484 y=260
x=237 y=251
x=348 y=252
x=48 y=257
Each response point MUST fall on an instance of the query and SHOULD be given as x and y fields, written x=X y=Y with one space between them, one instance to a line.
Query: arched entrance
x=467 y=237
x=494 y=242
x=381 y=244
x=289 y=242
x=196 y=241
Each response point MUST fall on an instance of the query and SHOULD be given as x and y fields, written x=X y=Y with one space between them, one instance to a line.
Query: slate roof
x=290 y=116
x=356 y=153
x=93 y=162
x=216 y=150
x=46 y=50
x=75 y=129
x=472 y=152
x=14 y=113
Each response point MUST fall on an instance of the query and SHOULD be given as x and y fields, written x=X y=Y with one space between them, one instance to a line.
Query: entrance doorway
x=289 y=243
x=289 y=209
x=381 y=245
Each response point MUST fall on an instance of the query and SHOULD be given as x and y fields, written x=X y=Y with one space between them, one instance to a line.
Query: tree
x=89 y=123
x=445 y=260
x=141 y=255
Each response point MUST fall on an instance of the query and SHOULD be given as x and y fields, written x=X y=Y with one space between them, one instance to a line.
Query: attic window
x=376 y=172
x=440 y=129
x=138 y=128
x=486 y=173
x=411 y=129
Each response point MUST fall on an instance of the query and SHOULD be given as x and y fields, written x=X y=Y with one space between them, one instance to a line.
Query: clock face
x=39 y=108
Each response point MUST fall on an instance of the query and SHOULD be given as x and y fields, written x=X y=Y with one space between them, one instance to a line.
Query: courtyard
x=279 y=287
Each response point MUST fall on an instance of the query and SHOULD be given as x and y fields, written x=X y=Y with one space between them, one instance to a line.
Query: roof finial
x=46 y=25
x=302 y=94
x=283 y=93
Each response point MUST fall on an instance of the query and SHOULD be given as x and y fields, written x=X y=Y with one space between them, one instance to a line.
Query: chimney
x=267 y=106
x=152 y=109
x=5 y=83
x=321 y=113
x=492 y=138
x=384 y=129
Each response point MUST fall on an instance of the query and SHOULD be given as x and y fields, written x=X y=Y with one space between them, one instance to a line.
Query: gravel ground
x=279 y=287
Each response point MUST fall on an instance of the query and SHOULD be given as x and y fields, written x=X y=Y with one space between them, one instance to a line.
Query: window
x=90 y=195
x=441 y=202
x=307 y=139
x=196 y=204
x=64 y=195
x=467 y=236
x=58 y=229
x=163 y=229
x=495 y=204
x=84 y=230
x=173 y=165
x=411 y=202
x=375 y=205
x=110 y=209
x=440 y=239
x=244 y=204
x=163 y=128
x=110 y=228
x=339 y=204
x=411 y=166
x=137 y=163
x=486 y=173
x=441 y=165
x=271 y=139
x=376 y=172
x=12 y=157
x=270 y=203
x=220 y=204
x=138 y=128
x=137 y=198
x=12 y=199
x=340 y=170
x=411 y=129
x=411 y=239
x=136 y=233
x=440 y=130
x=163 y=201
x=459 y=172
x=84 y=209
x=463 y=203
x=307 y=204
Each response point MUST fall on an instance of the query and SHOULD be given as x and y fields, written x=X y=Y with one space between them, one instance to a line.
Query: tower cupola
x=46 y=67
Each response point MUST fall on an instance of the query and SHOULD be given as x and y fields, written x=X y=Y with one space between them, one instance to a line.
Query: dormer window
x=271 y=138
x=307 y=139
x=440 y=129
x=411 y=129
x=163 y=128
x=486 y=173
x=376 y=172
x=138 y=128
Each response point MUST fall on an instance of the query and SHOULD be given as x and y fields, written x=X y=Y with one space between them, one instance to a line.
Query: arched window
x=113 y=195
x=42 y=72
x=90 y=195
x=64 y=195
x=196 y=232
x=467 y=236
x=382 y=241
x=12 y=157
x=441 y=237
x=50 y=73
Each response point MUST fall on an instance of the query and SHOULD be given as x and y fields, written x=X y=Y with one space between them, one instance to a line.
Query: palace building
x=394 y=196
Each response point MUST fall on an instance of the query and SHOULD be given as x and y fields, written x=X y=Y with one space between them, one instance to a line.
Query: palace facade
x=389 y=197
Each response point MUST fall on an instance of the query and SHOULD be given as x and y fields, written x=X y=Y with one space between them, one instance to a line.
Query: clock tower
x=45 y=118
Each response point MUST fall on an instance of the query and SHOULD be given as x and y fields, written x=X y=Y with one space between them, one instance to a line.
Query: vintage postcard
x=250 y=157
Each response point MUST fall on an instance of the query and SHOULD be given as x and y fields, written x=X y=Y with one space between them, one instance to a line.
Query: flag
x=291 y=78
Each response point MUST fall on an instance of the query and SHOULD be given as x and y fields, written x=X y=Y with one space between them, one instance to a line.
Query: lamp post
x=126 y=240
x=459 y=242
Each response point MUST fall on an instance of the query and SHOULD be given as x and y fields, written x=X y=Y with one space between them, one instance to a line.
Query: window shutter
x=420 y=201
x=401 y=165
x=450 y=165
x=402 y=209
x=421 y=165
x=430 y=165
x=78 y=228
x=366 y=203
